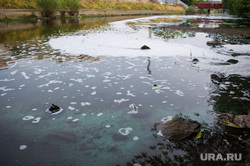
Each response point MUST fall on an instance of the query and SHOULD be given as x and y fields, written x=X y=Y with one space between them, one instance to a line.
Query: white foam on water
x=93 y=93
x=107 y=126
x=166 y=119
x=93 y=87
x=84 y=114
x=106 y=80
x=49 y=83
x=75 y=120
x=130 y=94
x=3 y=94
x=136 y=164
x=36 y=120
x=8 y=106
x=160 y=133
x=22 y=147
x=135 y=138
x=14 y=72
x=99 y=114
x=125 y=131
x=29 y=117
x=121 y=40
x=90 y=76
x=5 y=89
x=6 y=80
x=119 y=93
x=71 y=108
x=179 y=92
x=69 y=118
x=77 y=80
x=120 y=100
x=25 y=75
x=73 y=103
x=85 y=103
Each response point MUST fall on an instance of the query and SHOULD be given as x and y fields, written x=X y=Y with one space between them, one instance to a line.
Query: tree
x=238 y=7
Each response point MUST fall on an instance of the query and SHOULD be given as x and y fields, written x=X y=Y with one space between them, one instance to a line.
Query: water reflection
x=148 y=66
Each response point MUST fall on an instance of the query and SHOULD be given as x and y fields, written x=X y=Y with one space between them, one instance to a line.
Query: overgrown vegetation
x=113 y=4
x=190 y=10
x=18 y=4
x=238 y=7
x=86 y=4
x=58 y=4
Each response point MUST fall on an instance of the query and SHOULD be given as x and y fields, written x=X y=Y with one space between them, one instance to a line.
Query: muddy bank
x=243 y=32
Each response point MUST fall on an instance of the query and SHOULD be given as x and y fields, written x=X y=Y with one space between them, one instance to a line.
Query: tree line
x=238 y=7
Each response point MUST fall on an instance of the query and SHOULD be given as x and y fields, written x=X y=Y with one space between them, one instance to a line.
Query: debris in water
x=155 y=85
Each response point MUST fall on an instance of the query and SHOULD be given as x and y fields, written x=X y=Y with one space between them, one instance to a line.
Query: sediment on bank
x=242 y=32
x=33 y=13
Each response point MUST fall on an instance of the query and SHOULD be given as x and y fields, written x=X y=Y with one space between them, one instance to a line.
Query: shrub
x=72 y=4
x=190 y=10
x=48 y=4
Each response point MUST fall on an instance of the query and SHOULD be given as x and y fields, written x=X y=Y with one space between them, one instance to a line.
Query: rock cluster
x=237 y=121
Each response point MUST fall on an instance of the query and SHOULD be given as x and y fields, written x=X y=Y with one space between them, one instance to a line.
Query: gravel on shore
x=241 y=32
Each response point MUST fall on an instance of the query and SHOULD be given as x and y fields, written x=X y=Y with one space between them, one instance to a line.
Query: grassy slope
x=94 y=4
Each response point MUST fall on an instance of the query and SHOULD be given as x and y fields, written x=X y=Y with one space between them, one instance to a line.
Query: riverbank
x=36 y=13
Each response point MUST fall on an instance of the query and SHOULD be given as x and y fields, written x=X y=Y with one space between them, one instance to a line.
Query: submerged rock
x=179 y=128
x=216 y=79
x=144 y=47
x=119 y=137
x=63 y=135
x=231 y=120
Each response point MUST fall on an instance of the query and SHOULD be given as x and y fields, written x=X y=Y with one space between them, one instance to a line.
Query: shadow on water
x=232 y=95
x=192 y=152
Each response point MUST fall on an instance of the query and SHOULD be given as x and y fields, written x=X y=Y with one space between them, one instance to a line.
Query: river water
x=96 y=72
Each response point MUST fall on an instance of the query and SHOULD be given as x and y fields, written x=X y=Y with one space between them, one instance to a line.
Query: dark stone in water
x=119 y=137
x=144 y=47
x=195 y=60
x=113 y=149
x=179 y=128
x=232 y=61
x=54 y=108
x=213 y=43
